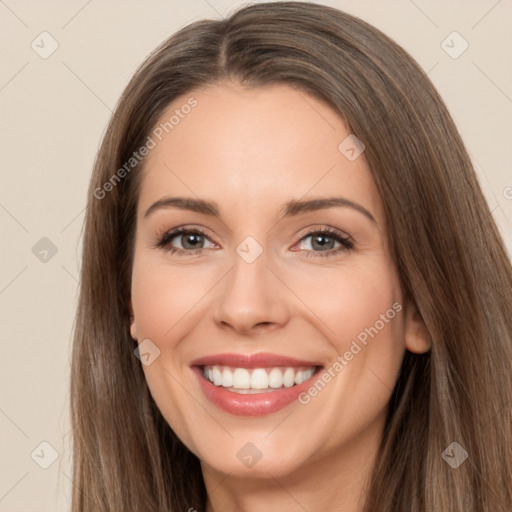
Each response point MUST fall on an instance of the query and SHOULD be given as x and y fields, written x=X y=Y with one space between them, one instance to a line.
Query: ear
x=133 y=328
x=133 y=324
x=417 y=338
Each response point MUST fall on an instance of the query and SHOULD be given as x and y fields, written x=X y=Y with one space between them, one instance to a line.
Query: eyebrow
x=289 y=209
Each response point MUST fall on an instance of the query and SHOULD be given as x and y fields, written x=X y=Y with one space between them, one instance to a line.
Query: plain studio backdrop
x=65 y=64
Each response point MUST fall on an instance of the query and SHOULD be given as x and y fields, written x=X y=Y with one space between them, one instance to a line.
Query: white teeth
x=259 y=379
x=217 y=377
x=275 y=378
x=242 y=380
x=227 y=378
x=289 y=378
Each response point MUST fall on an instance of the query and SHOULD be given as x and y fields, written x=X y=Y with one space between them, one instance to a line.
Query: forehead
x=253 y=147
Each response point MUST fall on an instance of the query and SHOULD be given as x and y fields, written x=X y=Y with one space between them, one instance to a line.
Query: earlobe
x=417 y=337
x=133 y=325
x=133 y=328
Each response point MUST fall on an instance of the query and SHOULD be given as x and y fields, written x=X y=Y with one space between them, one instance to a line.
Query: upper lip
x=260 y=360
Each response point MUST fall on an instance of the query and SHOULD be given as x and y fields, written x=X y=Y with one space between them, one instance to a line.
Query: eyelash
x=163 y=242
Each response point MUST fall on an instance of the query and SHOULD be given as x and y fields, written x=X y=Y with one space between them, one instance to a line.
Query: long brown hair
x=449 y=254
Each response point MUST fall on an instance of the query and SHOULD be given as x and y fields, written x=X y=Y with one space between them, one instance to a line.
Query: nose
x=252 y=298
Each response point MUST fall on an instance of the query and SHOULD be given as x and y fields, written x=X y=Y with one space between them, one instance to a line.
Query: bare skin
x=250 y=151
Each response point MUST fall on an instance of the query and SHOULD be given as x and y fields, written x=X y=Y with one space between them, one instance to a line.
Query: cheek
x=162 y=298
x=164 y=302
x=360 y=312
x=359 y=309
x=348 y=301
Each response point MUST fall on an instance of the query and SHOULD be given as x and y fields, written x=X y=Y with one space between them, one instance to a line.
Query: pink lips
x=257 y=404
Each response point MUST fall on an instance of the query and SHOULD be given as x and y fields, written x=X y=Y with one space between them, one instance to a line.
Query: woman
x=293 y=294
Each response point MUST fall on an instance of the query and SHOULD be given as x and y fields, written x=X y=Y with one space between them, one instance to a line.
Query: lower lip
x=257 y=404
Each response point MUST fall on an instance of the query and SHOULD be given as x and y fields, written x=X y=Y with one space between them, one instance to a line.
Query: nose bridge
x=251 y=294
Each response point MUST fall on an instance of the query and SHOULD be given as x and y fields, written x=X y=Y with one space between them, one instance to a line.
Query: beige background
x=53 y=114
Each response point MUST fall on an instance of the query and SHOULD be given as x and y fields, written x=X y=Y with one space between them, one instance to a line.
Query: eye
x=191 y=240
x=323 y=243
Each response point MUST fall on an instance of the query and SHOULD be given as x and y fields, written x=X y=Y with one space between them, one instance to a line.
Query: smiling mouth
x=257 y=380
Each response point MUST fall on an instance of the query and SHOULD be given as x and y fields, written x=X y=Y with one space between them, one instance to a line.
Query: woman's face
x=254 y=295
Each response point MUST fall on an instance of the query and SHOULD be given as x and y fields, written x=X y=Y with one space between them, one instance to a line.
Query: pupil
x=191 y=237
x=318 y=239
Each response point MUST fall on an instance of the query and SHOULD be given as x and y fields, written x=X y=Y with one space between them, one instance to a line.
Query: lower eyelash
x=164 y=241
